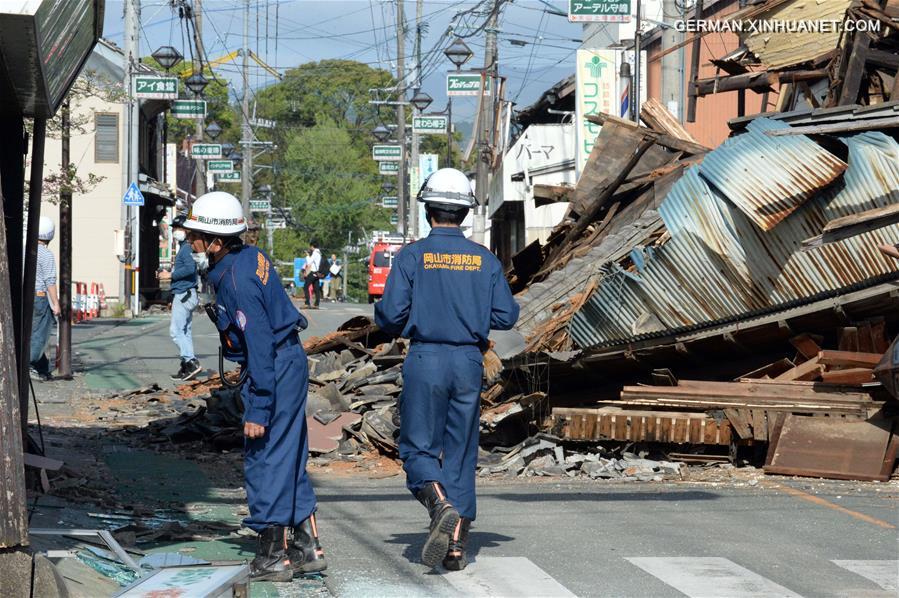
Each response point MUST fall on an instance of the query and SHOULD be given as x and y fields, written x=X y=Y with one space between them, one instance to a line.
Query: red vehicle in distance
x=383 y=252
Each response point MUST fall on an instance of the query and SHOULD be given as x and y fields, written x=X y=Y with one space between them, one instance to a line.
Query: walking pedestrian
x=313 y=289
x=257 y=321
x=336 y=279
x=185 y=298
x=46 y=301
x=445 y=293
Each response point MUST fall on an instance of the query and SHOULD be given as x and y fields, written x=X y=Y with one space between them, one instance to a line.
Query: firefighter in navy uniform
x=259 y=325
x=444 y=293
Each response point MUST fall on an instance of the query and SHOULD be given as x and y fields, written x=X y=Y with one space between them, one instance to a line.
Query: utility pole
x=485 y=127
x=672 y=63
x=132 y=120
x=246 y=141
x=65 y=252
x=638 y=45
x=198 y=68
x=416 y=139
x=403 y=220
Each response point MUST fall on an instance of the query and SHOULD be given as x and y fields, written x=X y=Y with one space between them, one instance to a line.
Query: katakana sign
x=220 y=166
x=156 y=88
x=465 y=84
x=229 y=177
x=386 y=152
x=390 y=201
x=616 y=11
x=429 y=124
x=206 y=151
x=260 y=205
x=189 y=109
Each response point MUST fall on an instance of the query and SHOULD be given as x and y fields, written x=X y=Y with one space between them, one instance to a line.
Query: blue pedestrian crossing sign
x=133 y=196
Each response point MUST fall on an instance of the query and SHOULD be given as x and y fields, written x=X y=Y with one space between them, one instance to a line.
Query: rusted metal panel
x=769 y=177
x=718 y=265
x=614 y=423
x=831 y=448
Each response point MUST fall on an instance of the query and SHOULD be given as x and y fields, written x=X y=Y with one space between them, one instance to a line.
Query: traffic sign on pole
x=388 y=167
x=465 y=84
x=133 y=196
x=599 y=11
x=228 y=177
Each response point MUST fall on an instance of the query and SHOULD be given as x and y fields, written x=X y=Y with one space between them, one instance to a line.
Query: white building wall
x=95 y=215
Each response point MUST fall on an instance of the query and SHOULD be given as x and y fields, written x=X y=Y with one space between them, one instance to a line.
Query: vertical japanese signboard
x=596 y=77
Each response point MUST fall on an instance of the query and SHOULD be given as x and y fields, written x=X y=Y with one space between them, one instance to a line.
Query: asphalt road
x=779 y=538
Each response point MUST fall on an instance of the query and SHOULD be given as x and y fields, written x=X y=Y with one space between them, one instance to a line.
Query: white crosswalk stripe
x=711 y=577
x=506 y=577
x=883 y=573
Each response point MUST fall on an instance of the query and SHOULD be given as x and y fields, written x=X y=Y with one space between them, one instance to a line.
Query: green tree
x=331 y=186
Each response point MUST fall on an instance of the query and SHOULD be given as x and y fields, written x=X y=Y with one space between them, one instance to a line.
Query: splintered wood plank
x=771 y=370
x=808 y=346
x=849 y=359
x=759 y=424
x=807 y=370
x=848 y=339
x=738 y=419
x=849 y=376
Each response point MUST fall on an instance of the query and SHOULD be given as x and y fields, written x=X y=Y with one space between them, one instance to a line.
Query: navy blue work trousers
x=279 y=492
x=440 y=413
x=41 y=326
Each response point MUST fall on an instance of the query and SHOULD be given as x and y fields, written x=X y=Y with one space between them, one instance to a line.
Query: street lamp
x=197 y=83
x=213 y=130
x=381 y=133
x=387 y=186
x=167 y=57
x=227 y=149
x=459 y=53
x=421 y=100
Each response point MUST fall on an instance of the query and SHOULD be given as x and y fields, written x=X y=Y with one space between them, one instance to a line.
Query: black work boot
x=192 y=367
x=444 y=518
x=306 y=554
x=177 y=375
x=455 y=557
x=272 y=563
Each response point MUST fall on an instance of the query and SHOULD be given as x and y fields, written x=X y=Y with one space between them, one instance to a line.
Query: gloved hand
x=493 y=366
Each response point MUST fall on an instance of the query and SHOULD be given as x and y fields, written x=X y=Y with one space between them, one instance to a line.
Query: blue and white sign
x=133 y=196
x=428 y=163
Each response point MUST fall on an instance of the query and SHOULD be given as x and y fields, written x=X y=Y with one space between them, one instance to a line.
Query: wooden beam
x=849 y=358
x=855 y=69
x=805 y=371
x=883 y=59
x=808 y=346
x=871 y=218
x=875 y=124
x=849 y=376
x=760 y=81
x=667 y=141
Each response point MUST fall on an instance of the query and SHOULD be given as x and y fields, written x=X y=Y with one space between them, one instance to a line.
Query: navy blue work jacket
x=446 y=289
x=248 y=290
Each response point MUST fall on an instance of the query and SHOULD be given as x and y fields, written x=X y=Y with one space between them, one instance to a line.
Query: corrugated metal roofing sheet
x=718 y=265
x=769 y=177
x=777 y=49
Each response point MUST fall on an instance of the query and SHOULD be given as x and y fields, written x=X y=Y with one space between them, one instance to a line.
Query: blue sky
x=536 y=49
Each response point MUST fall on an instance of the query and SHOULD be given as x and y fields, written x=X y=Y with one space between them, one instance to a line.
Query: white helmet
x=449 y=187
x=46 y=229
x=217 y=213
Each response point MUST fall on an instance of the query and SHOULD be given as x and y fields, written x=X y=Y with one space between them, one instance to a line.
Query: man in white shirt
x=46 y=302
x=313 y=290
